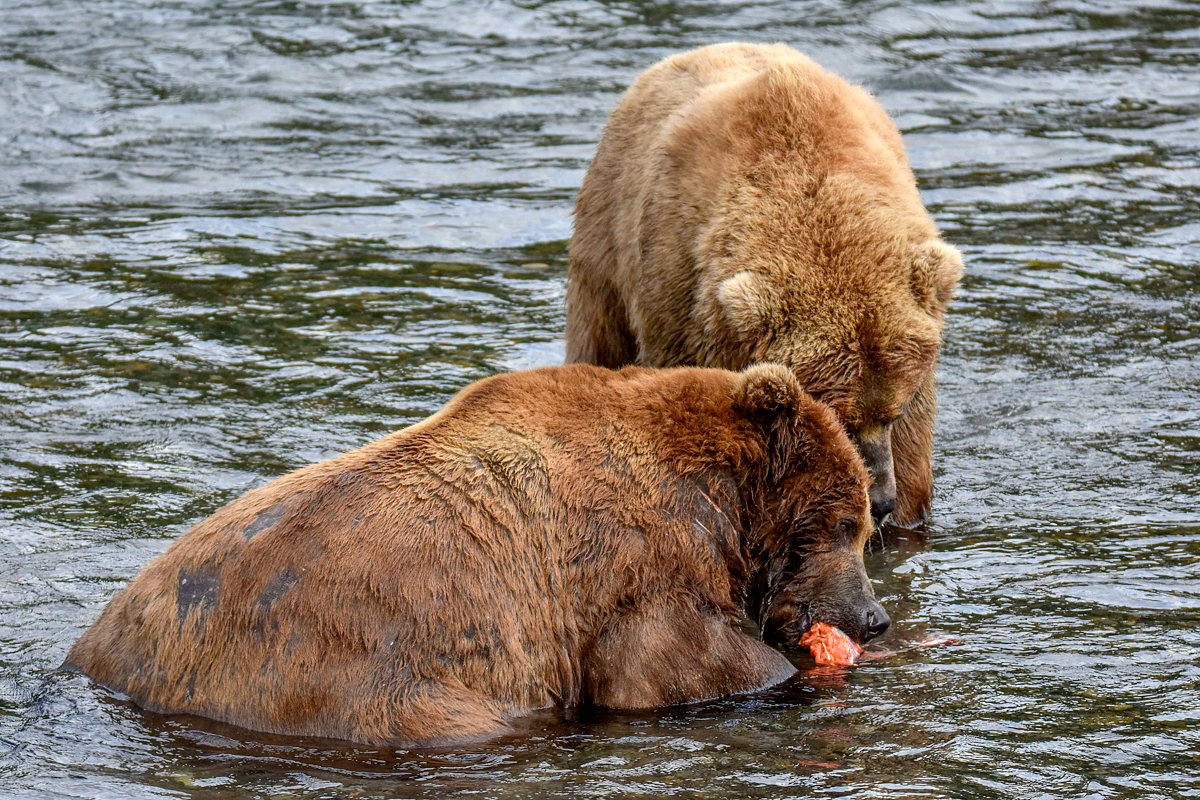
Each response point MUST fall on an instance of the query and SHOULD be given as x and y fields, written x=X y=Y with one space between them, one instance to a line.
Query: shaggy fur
x=562 y=536
x=745 y=205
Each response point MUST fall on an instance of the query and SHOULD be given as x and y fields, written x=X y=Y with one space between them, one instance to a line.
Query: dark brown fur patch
x=265 y=520
x=197 y=588
x=278 y=586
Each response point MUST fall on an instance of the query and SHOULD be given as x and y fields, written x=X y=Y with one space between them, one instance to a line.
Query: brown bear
x=744 y=205
x=563 y=536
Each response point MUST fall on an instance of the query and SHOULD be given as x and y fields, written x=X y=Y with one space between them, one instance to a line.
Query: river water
x=239 y=236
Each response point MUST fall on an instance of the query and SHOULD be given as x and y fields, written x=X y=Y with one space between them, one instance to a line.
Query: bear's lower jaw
x=784 y=626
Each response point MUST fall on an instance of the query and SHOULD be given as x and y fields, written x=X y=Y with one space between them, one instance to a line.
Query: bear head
x=811 y=517
x=870 y=358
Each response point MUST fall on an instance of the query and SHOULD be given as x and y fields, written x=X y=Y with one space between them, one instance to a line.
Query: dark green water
x=237 y=237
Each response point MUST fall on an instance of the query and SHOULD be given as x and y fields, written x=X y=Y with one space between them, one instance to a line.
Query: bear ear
x=747 y=299
x=770 y=396
x=935 y=272
x=767 y=390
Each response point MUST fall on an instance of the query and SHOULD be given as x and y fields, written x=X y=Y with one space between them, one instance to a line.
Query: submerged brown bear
x=563 y=536
x=743 y=206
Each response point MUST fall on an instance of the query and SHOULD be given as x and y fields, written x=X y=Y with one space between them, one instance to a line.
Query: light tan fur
x=744 y=205
x=561 y=536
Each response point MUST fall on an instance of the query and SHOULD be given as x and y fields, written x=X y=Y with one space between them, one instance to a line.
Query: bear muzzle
x=876 y=453
x=876 y=622
x=785 y=620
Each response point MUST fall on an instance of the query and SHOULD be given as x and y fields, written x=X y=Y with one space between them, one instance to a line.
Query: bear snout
x=877 y=622
x=862 y=621
x=844 y=599
x=876 y=452
x=786 y=622
x=883 y=502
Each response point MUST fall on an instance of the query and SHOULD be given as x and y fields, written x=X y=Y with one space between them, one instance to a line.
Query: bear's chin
x=783 y=627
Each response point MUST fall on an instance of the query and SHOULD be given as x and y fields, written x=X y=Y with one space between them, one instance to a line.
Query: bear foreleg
x=674 y=652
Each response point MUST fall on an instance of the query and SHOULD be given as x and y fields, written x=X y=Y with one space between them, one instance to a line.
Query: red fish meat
x=829 y=646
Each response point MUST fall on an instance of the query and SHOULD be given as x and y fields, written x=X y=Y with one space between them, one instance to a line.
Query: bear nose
x=878 y=621
x=882 y=506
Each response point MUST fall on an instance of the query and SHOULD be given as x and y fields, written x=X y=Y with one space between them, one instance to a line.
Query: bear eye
x=847 y=528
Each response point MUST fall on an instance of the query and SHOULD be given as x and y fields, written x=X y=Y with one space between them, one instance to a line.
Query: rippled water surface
x=239 y=236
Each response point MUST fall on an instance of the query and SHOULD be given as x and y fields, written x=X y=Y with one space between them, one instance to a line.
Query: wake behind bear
x=562 y=536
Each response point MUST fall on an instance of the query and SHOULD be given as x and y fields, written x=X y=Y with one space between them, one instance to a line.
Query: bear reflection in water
x=563 y=536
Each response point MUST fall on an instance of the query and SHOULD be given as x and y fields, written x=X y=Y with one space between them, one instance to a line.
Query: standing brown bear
x=561 y=536
x=745 y=205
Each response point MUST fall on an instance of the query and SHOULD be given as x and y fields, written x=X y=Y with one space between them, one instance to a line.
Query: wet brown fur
x=560 y=536
x=744 y=205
